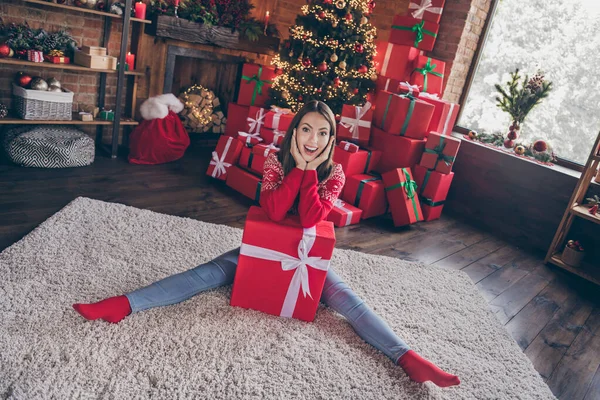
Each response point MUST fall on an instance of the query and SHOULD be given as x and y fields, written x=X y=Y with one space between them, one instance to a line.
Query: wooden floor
x=553 y=316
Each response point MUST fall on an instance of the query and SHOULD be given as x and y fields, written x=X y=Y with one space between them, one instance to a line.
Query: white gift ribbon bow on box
x=268 y=149
x=409 y=87
x=348 y=145
x=255 y=123
x=278 y=113
x=353 y=123
x=434 y=96
x=298 y=264
x=426 y=5
x=220 y=163
x=249 y=136
x=341 y=205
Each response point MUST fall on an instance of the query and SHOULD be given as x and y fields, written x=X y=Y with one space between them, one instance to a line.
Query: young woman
x=301 y=178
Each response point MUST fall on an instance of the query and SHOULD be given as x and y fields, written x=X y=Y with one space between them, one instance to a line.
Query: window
x=559 y=37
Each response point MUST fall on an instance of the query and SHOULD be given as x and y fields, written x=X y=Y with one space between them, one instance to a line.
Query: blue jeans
x=220 y=271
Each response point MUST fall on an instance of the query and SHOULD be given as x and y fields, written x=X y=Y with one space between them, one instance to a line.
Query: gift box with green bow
x=408 y=31
x=255 y=84
x=401 y=192
x=432 y=188
x=440 y=152
x=402 y=114
x=107 y=115
x=429 y=74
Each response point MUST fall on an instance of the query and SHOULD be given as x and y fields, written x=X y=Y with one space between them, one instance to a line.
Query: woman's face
x=312 y=135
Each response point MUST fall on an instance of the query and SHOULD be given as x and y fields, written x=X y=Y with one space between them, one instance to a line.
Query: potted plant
x=573 y=253
x=594 y=203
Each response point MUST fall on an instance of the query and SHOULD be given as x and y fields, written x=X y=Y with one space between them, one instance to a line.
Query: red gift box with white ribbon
x=428 y=10
x=282 y=267
x=236 y=119
x=279 y=118
x=355 y=124
x=272 y=136
x=255 y=119
x=344 y=214
x=225 y=155
x=35 y=56
x=444 y=114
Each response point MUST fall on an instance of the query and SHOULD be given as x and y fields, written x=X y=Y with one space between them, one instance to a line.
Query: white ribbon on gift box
x=278 y=113
x=434 y=96
x=340 y=204
x=220 y=163
x=277 y=134
x=288 y=263
x=268 y=149
x=386 y=58
x=409 y=87
x=249 y=136
x=255 y=123
x=426 y=5
x=348 y=145
x=353 y=123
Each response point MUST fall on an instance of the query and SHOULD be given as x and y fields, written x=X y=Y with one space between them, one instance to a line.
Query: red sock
x=113 y=309
x=420 y=370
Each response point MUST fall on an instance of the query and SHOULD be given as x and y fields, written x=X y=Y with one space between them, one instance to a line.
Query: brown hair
x=285 y=155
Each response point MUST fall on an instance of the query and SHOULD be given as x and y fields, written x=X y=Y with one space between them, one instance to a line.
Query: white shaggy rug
x=203 y=348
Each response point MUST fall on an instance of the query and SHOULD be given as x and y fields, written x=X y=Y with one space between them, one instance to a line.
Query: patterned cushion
x=47 y=146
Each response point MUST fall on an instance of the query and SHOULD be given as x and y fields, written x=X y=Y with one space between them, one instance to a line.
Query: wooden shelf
x=586 y=271
x=86 y=10
x=582 y=211
x=74 y=121
x=68 y=67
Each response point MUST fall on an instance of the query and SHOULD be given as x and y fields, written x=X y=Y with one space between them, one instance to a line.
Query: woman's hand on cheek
x=324 y=156
x=300 y=161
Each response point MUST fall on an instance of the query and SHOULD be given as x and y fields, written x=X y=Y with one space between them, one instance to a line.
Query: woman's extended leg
x=170 y=290
x=375 y=331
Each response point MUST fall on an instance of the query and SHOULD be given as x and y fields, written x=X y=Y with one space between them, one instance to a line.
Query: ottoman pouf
x=47 y=146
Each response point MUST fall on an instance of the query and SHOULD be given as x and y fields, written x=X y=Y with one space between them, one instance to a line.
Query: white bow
x=288 y=263
x=348 y=145
x=268 y=149
x=353 y=123
x=409 y=87
x=249 y=136
x=426 y=5
x=255 y=123
x=341 y=205
x=220 y=163
x=277 y=116
x=432 y=96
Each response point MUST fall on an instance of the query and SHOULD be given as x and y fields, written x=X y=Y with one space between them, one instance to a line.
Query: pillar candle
x=130 y=60
x=140 y=10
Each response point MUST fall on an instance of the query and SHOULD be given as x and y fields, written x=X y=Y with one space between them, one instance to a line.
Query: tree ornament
x=285 y=95
x=364 y=20
x=343 y=65
x=328 y=2
x=355 y=91
x=322 y=15
x=319 y=90
x=333 y=57
x=540 y=146
x=4 y=50
x=520 y=150
x=291 y=54
x=38 y=83
x=348 y=17
x=473 y=135
x=359 y=48
x=53 y=82
x=515 y=126
x=3 y=110
x=512 y=135
x=337 y=81
x=323 y=66
x=374 y=77
x=363 y=69
x=509 y=144
x=278 y=71
x=22 y=79
x=300 y=98
x=334 y=24
x=340 y=4
x=306 y=62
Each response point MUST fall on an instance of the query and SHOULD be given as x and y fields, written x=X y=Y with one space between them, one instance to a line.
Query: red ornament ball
x=363 y=69
x=322 y=15
x=337 y=81
x=512 y=135
x=4 y=50
x=319 y=90
x=540 y=146
x=348 y=17
x=307 y=62
x=509 y=144
x=359 y=48
x=355 y=91
x=322 y=66
x=278 y=71
x=371 y=4
x=300 y=98
x=328 y=1
x=22 y=79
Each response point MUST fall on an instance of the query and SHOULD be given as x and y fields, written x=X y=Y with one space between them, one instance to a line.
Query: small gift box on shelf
x=282 y=267
x=396 y=151
x=440 y=152
x=244 y=182
x=429 y=74
x=356 y=162
x=401 y=191
x=35 y=56
x=355 y=124
x=107 y=115
x=444 y=114
x=236 y=119
x=255 y=119
x=272 y=136
x=56 y=57
x=367 y=193
x=279 y=118
x=395 y=61
x=408 y=31
x=255 y=84
x=344 y=214
x=433 y=189
x=86 y=116
x=404 y=115
x=224 y=157
x=428 y=10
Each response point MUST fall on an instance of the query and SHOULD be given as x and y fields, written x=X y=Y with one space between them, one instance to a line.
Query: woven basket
x=43 y=105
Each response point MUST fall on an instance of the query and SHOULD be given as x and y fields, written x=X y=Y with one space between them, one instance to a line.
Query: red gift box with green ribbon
x=236 y=119
x=397 y=151
x=282 y=267
x=402 y=114
x=366 y=192
x=408 y=31
x=429 y=74
x=440 y=152
x=344 y=214
x=444 y=115
x=431 y=209
x=226 y=154
x=255 y=84
x=395 y=61
x=401 y=192
x=244 y=182
x=433 y=188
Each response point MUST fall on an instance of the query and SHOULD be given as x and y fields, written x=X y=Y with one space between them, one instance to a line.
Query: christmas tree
x=328 y=56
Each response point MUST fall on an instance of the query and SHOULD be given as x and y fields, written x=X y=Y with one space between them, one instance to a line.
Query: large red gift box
x=272 y=136
x=282 y=267
x=433 y=189
x=429 y=74
x=397 y=151
x=224 y=157
x=367 y=193
x=355 y=124
x=255 y=119
x=244 y=182
x=440 y=152
x=279 y=118
x=429 y=10
x=408 y=31
x=395 y=61
x=359 y=162
x=255 y=84
x=395 y=86
x=402 y=115
x=344 y=214
x=444 y=114
x=236 y=119
x=401 y=191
